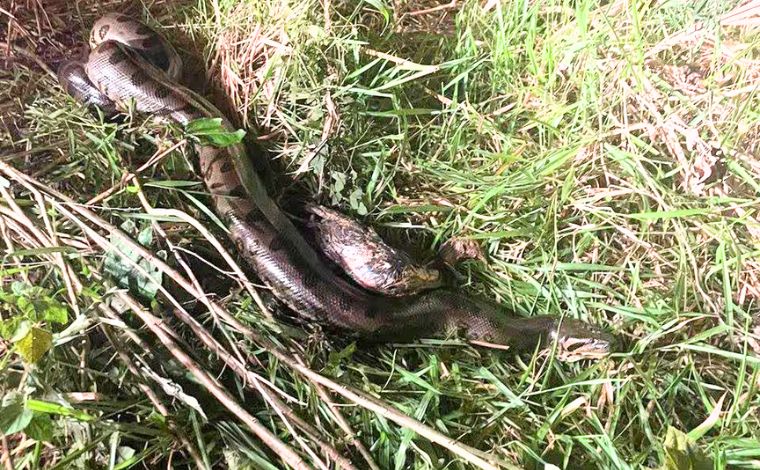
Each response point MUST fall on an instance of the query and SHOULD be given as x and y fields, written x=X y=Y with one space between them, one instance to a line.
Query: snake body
x=129 y=62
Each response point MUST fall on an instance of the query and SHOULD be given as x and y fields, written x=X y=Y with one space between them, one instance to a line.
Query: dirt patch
x=426 y=16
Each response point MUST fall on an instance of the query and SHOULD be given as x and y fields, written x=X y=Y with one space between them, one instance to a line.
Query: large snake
x=130 y=62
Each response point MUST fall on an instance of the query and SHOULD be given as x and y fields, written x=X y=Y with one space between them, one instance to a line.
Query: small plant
x=28 y=315
x=211 y=131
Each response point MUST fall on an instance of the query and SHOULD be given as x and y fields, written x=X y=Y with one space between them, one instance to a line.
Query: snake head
x=577 y=340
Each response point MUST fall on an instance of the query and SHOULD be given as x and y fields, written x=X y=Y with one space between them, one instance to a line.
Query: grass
x=601 y=154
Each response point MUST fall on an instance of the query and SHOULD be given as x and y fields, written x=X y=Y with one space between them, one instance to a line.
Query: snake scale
x=130 y=62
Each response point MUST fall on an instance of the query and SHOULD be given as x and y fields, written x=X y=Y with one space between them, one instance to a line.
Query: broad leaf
x=14 y=417
x=40 y=428
x=34 y=345
x=8 y=327
x=125 y=273
x=53 y=311
x=681 y=453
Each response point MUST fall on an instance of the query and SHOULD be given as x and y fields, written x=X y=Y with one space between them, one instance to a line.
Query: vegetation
x=602 y=154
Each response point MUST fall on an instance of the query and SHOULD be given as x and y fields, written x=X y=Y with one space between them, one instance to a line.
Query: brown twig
x=326 y=15
x=10 y=250
x=346 y=426
x=240 y=276
x=57 y=257
x=130 y=176
x=157 y=227
x=37 y=240
x=285 y=413
x=157 y=404
x=282 y=450
x=272 y=441
x=249 y=377
x=446 y=6
x=467 y=453
x=236 y=365
x=7 y=459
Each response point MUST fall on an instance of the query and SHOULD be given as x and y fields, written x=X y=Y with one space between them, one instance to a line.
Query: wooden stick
x=273 y=442
x=189 y=447
x=346 y=426
x=282 y=450
x=7 y=459
x=467 y=453
x=130 y=176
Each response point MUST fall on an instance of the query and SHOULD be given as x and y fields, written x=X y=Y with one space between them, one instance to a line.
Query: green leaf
x=27 y=307
x=34 y=345
x=40 y=428
x=203 y=125
x=19 y=288
x=345 y=353
x=8 y=327
x=125 y=273
x=22 y=329
x=53 y=311
x=337 y=357
x=145 y=237
x=211 y=131
x=225 y=139
x=6 y=298
x=681 y=453
x=14 y=417
x=56 y=409
x=35 y=303
x=355 y=200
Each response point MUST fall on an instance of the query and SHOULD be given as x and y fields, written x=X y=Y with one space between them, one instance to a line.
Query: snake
x=366 y=258
x=132 y=66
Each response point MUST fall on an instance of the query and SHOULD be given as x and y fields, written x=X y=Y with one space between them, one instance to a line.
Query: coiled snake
x=129 y=62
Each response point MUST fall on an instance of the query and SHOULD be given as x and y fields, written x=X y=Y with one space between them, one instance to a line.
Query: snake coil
x=129 y=61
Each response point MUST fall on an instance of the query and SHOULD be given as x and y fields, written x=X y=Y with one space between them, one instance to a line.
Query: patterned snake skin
x=129 y=62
